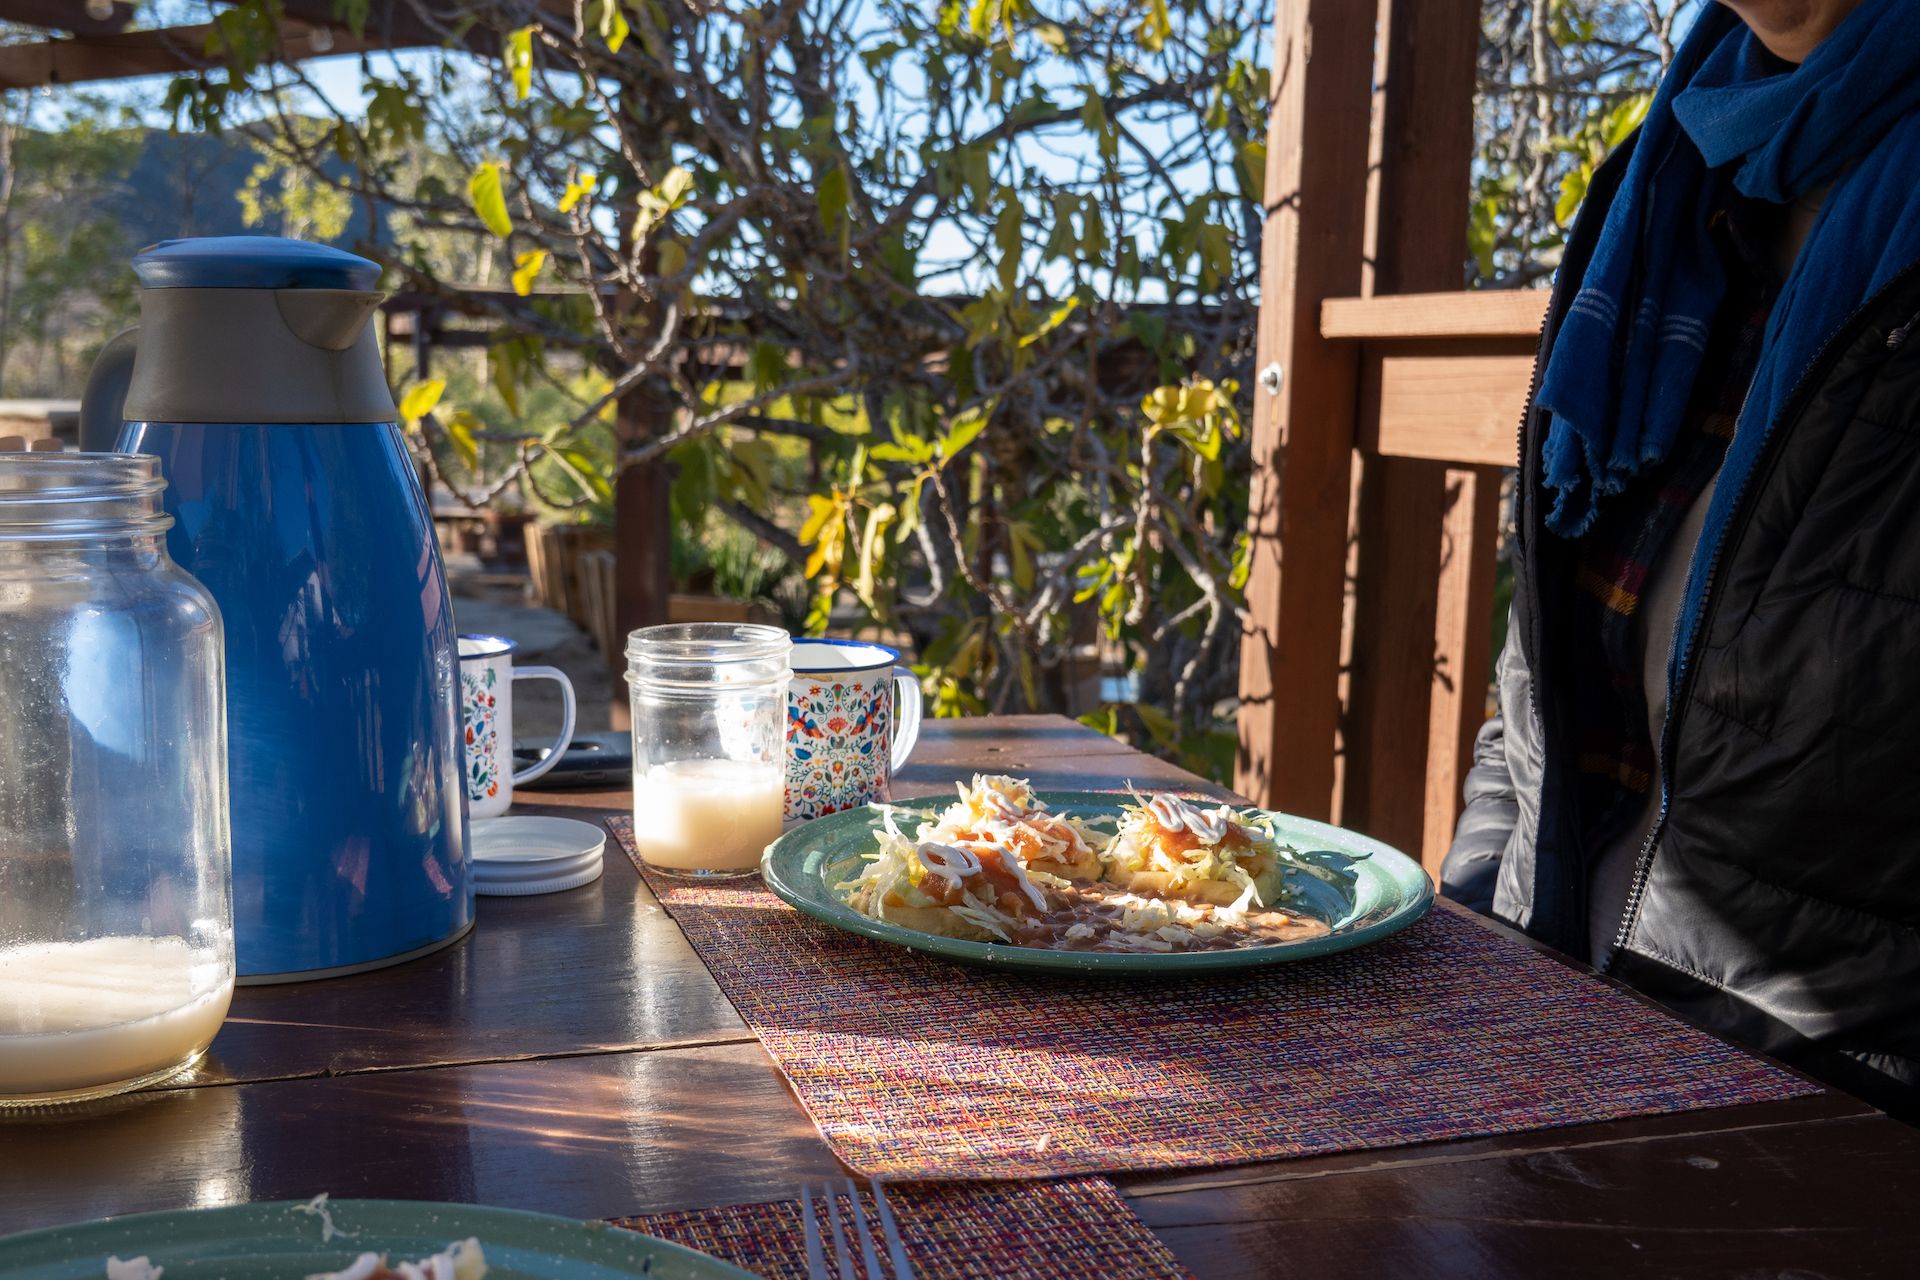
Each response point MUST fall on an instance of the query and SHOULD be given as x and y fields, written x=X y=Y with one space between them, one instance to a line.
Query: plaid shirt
x=1617 y=754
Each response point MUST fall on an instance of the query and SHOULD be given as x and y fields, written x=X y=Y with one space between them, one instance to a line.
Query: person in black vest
x=1704 y=776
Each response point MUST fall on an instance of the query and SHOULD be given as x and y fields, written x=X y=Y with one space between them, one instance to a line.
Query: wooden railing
x=1385 y=417
x=1443 y=380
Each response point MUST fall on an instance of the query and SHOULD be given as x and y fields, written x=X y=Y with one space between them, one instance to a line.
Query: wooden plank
x=585 y=1137
x=1303 y=429
x=1396 y=596
x=1812 y=1199
x=1485 y=313
x=1463 y=636
x=67 y=15
x=160 y=51
x=1424 y=140
x=1460 y=404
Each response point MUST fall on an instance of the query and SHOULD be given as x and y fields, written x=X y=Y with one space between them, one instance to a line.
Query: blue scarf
x=1621 y=373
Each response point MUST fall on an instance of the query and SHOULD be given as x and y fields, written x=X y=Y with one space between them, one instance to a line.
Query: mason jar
x=116 y=925
x=709 y=704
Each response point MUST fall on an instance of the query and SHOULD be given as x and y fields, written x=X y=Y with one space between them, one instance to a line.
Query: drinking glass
x=116 y=924
x=709 y=704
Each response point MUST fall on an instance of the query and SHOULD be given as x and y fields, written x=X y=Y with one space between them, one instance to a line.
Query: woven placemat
x=1079 y=1229
x=917 y=1068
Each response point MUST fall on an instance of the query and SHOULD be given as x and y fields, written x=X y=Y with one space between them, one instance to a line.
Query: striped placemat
x=1078 y=1229
x=917 y=1068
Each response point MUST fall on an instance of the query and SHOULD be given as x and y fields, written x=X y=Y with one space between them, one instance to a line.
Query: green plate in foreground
x=1362 y=889
x=282 y=1241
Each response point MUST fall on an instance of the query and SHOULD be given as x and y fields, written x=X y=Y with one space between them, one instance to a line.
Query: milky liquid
x=83 y=1015
x=707 y=815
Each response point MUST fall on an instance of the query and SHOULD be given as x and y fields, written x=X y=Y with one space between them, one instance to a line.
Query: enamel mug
x=487 y=675
x=853 y=716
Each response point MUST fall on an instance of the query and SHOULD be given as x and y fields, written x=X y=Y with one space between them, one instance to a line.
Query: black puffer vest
x=1778 y=900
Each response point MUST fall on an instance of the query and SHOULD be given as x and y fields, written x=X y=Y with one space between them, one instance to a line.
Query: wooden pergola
x=1385 y=410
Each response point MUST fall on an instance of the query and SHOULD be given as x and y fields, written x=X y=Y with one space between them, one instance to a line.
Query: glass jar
x=709 y=744
x=116 y=925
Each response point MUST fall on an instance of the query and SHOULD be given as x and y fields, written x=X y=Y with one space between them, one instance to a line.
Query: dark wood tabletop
x=573 y=1056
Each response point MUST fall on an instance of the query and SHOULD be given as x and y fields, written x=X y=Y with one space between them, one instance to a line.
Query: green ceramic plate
x=282 y=1241
x=1362 y=889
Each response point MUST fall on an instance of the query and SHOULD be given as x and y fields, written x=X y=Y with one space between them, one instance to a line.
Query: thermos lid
x=252 y=262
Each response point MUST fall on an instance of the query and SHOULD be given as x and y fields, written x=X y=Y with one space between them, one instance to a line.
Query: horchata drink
x=709 y=705
x=106 y=1014
x=707 y=815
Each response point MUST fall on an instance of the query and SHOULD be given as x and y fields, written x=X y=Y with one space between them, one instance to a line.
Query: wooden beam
x=1456 y=402
x=1486 y=313
x=160 y=51
x=67 y=15
x=1419 y=220
x=1311 y=250
x=1463 y=638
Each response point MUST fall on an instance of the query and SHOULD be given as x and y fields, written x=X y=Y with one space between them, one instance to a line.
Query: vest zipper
x=1678 y=686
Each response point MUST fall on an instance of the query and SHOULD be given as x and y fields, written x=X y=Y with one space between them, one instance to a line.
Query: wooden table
x=573 y=1056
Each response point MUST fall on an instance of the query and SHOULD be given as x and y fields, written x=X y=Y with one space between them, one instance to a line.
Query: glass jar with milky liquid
x=116 y=921
x=709 y=703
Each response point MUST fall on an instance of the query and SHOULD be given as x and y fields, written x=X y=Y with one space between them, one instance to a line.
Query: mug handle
x=565 y=739
x=906 y=714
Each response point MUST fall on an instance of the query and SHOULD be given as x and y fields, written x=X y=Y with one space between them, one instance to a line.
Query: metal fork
x=844 y=1251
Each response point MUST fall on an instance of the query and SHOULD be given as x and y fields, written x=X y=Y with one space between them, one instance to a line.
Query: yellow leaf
x=485 y=188
x=420 y=400
x=519 y=60
x=577 y=190
x=1155 y=26
x=526 y=269
x=819 y=510
x=460 y=429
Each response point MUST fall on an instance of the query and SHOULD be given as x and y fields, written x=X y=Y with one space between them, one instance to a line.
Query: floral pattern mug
x=486 y=711
x=853 y=716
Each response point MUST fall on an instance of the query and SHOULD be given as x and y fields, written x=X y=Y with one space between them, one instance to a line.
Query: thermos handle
x=103 y=404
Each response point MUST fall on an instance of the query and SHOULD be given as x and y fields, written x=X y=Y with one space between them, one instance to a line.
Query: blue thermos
x=255 y=379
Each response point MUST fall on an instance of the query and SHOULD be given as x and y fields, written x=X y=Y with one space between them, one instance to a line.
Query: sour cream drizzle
x=1175 y=814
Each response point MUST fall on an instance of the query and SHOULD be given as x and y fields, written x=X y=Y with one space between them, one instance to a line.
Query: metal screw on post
x=1271 y=377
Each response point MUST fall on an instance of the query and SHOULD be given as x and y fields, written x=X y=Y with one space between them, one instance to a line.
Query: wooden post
x=1303 y=424
x=1463 y=634
x=1419 y=225
x=642 y=535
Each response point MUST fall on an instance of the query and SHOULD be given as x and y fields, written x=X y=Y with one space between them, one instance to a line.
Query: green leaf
x=914 y=451
x=965 y=429
x=1160 y=726
x=1105 y=720
x=1250 y=166
x=670 y=258
x=585 y=472
x=1020 y=542
x=1573 y=189
x=508 y=362
x=485 y=190
x=831 y=195
x=1007 y=237
x=519 y=60
x=526 y=269
x=420 y=400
